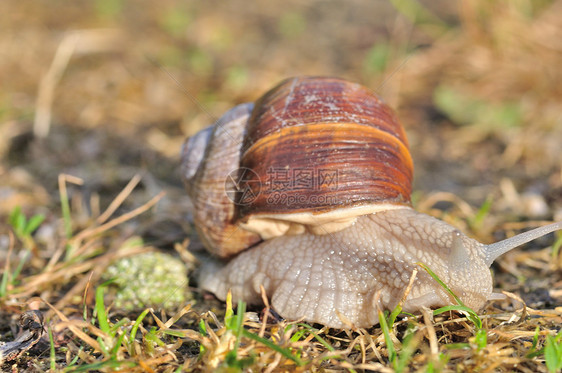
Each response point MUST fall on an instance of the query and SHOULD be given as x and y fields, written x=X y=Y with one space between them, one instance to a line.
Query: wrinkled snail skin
x=338 y=264
x=348 y=272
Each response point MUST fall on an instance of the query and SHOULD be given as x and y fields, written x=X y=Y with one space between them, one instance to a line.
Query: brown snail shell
x=321 y=152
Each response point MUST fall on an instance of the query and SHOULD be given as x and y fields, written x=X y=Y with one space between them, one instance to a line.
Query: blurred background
x=107 y=89
x=104 y=89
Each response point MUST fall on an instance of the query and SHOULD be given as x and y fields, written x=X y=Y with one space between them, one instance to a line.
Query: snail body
x=306 y=194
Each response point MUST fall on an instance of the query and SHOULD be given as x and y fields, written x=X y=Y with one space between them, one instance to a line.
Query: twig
x=42 y=122
x=112 y=223
x=91 y=41
x=117 y=201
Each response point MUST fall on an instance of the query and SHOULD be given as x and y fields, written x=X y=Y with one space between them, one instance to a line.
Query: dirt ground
x=104 y=90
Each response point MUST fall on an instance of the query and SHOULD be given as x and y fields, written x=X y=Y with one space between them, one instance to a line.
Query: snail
x=306 y=195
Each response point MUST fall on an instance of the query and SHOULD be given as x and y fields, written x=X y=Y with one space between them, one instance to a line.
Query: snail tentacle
x=494 y=250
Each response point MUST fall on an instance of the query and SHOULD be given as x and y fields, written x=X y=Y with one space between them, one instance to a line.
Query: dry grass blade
x=64 y=270
x=119 y=220
x=431 y=335
x=159 y=322
x=75 y=329
x=168 y=324
x=7 y=273
x=84 y=41
x=48 y=84
x=266 y=313
x=117 y=201
x=409 y=287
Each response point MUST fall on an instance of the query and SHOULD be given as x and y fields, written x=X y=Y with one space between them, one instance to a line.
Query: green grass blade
x=297 y=335
x=21 y=263
x=283 y=351
x=553 y=353
x=408 y=348
x=471 y=314
x=443 y=285
x=533 y=351
x=452 y=307
x=17 y=221
x=322 y=341
x=33 y=223
x=483 y=211
x=76 y=357
x=15 y=216
x=100 y=308
x=481 y=339
x=395 y=312
x=458 y=346
x=65 y=210
x=202 y=328
x=153 y=337
x=103 y=347
x=117 y=345
x=117 y=326
x=387 y=338
x=556 y=248
x=137 y=323
x=236 y=324
x=174 y=333
x=5 y=280
x=52 y=350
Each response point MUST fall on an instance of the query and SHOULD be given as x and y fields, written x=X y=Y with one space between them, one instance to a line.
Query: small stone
x=534 y=205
